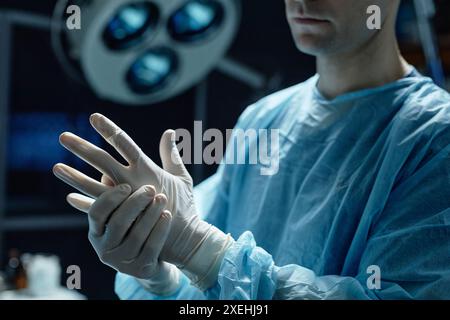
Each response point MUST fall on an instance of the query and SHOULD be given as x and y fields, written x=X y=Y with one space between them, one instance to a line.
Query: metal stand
x=5 y=51
x=425 y=11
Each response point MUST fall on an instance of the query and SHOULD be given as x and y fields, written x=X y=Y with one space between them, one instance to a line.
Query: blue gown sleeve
x=128 y=288
x=409 y=243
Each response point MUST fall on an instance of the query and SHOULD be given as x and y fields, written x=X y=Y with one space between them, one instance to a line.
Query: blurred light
x=195 y=20
x=152 y=70
x=130 y=24
x=149 y=50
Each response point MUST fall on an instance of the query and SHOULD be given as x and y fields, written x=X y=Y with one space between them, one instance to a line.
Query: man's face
x=328 y=27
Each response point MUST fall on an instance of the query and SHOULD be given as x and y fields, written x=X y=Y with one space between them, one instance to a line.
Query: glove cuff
x=204 y=265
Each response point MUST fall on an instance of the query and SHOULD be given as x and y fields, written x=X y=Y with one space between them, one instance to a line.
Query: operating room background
x=45 y=102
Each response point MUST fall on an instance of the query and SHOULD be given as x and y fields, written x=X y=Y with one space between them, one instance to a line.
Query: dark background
x=40 y=90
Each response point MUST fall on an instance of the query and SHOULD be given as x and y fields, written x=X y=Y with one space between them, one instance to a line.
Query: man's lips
x=308 y=20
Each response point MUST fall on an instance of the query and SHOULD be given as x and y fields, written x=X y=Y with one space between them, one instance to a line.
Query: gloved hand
x=192 y=244
x=127 y=230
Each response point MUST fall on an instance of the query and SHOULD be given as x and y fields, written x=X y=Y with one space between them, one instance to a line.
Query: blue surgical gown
x=363 y=181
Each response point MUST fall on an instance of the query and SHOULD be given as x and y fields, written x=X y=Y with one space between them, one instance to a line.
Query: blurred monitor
x=33 y=140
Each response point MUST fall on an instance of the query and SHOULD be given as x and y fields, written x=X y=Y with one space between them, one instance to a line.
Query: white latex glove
x=127 y=230
x=192 y=244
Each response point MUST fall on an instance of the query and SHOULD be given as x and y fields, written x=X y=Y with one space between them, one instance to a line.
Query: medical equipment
x=141 y=52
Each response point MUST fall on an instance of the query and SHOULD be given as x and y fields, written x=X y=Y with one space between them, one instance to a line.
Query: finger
x=104 y=207
x=170 y=156
x=116 y=137
x=108 y=181
x=157 y=238
x=80 y=202
x=95 y=156
x=140 y=231
x=125 y=215
x=79 y=180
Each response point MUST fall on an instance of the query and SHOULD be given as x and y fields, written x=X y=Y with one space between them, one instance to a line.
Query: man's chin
x=312 y=45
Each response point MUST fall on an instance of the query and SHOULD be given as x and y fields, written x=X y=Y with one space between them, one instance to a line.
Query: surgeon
x=359 y=208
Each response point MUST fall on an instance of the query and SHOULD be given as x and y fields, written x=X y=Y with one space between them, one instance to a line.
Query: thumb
x=170 y=157
x=80 y=202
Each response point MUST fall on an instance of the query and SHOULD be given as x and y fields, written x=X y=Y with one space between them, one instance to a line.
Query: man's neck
x=378 y=63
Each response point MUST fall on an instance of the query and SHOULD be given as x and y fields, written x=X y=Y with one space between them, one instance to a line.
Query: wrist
x=165 y=282
x=203 y=266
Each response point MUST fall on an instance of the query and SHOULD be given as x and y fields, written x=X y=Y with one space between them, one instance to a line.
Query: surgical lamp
x=139 y=52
